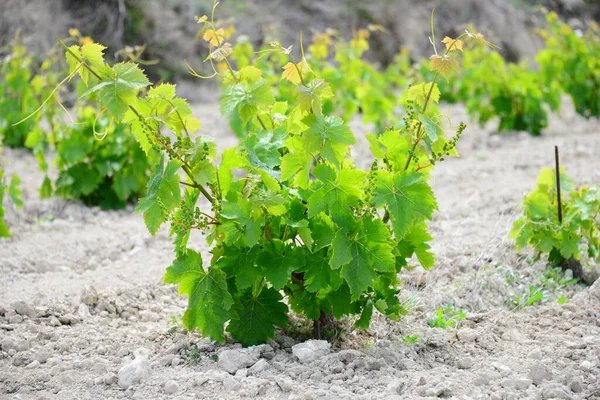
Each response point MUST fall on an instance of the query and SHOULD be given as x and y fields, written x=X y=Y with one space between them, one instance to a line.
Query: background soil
x=81 y=297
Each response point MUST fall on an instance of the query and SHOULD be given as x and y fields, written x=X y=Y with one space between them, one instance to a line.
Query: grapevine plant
x=23 y=85
x=287 y=212
x=570 y=60
x=109 y=172
x=14 y=192
x=566 y=238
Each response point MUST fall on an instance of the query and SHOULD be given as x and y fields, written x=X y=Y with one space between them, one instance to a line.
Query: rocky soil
x=84 y=315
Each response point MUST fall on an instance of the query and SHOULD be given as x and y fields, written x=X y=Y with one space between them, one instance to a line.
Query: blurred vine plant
x=567 y=240
x=297 y=217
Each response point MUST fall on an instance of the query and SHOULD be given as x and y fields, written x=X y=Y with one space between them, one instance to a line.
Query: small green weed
x=410 y=339
x=549 y=282
x=447 y=316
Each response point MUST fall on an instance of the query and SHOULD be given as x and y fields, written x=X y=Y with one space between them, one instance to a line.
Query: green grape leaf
x=209 y=301
x=230 y=160
x=46 y=188
x=4 y=232
x=139 y=123
x=241 y=263
x=364 y=321
x=362 y=251
x=93 y=54
x=418 y=93
x=295 y=165
x=337 y=191
x=415 y=242
x=258 y=316
x=243 y=223
x=342 y=303
x=329 y=136
x=569 y=244
x=311 y=96
x=279 y=260
x=407 y=197
x=119 y=87
x=246 y=98
x=323 y=231
x=432 y=129
x=163 y=195
x=14 y=191
x=318 y=275
x=265 y=147
x=77 y=181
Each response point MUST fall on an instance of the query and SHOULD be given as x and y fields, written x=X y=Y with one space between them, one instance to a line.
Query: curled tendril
x=99 y=135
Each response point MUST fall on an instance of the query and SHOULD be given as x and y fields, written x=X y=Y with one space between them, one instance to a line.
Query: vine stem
x=559 y=202
x=186 y=167
x=235 y=78
x=420 y=126
x=428 y=98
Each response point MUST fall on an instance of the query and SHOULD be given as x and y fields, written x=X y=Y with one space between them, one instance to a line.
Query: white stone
x=136 y=371
x=538 y=373
x=311 y=350
x=171 y=387
x=260 y=366
x=465 y=363
x=586 y=365
x=232 y=360
x=83 y=311
x=466 y=335
x=517 y=383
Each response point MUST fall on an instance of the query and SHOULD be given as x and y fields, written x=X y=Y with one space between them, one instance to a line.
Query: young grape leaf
x=295 y=165
x=290 y=72
x=329 y=136
x=337 y=191
x=163 y=195
x=323 y=231
x=230 y=159
x=258 y=316
x=312 y=95
x=432 y=129
x=452 y=44
x=418 y=93
x=221 y=53
x=209 y=301
x=239 y=96
x=243 y=225
x=364 y=321
x=92 y=56
x=119 y=87
x=214 y=36
x=139 y=123
x=445 y=65
x=407 y=196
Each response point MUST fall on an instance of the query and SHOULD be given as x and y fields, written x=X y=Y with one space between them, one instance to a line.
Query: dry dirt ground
x=84 y=315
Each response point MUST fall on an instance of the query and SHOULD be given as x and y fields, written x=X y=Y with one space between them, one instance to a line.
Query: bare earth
x=81 y=292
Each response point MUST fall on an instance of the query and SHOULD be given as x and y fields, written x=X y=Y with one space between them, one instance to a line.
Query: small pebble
x=171 y=387
x=465 y=363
